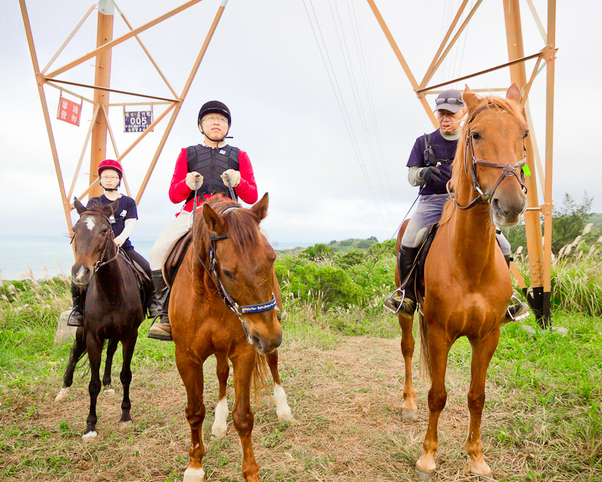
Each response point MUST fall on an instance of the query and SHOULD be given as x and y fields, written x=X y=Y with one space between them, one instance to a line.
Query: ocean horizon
x=44 y=257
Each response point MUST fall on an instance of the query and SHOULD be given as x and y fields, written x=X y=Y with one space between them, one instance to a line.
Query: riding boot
x=519 y=310
x=406 y=304
x=160 y=329
x=78 y=295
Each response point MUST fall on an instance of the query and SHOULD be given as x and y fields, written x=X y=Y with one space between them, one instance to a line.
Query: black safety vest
x=211 y=163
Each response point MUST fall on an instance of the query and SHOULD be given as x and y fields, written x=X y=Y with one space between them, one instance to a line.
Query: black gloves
x=431 y=174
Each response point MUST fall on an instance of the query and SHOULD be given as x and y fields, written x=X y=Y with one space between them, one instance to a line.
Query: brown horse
x=222 y=303
x=467 y=286
x=113 y=309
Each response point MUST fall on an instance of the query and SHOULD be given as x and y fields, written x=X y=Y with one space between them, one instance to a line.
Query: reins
x=109 y=237
x=237 y=309
x=507 y=169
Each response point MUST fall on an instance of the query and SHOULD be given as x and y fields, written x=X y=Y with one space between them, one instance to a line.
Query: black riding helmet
x=215 y=107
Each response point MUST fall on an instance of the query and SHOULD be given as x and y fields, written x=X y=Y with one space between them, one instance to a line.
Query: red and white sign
x=69 y=111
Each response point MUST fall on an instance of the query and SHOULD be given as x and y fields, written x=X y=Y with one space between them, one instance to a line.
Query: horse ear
x=260 y=208
x=79 y=207
x=470 y=98
x=215 y=222
x=114 y=205
x=513 y=93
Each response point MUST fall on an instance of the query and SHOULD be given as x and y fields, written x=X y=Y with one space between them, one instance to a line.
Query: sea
x=43 y=257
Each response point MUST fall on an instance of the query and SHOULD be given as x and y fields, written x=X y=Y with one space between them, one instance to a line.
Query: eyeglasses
x=212 y=118
x=109 y=178
x=449 y=100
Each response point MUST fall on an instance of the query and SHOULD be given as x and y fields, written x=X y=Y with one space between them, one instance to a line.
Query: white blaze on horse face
x=90 y=223
x=220 y=426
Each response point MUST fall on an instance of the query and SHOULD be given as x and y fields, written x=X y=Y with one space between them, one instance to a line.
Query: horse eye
x=228 y=274
x=476 y=136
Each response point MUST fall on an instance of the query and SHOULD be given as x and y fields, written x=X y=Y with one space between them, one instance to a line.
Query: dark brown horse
x=113 y=308
x=222 y=303
x=467 y=286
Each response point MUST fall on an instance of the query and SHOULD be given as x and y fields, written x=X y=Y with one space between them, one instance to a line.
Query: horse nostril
x=256 y=341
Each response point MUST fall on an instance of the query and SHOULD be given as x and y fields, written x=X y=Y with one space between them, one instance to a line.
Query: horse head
x=494 y=154
x=92 y=240
x=243 y=266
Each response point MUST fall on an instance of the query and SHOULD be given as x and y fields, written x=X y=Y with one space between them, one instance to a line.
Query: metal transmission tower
x=540 y=251
x=100 y=130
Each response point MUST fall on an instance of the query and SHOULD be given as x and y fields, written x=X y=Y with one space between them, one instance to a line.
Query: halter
x=237 y=309
x=109 y=237
x=507 y=169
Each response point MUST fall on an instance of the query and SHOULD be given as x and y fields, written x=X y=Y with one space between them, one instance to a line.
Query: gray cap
x=450 y=100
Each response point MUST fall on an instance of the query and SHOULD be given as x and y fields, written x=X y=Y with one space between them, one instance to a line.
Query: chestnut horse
x=467 y=285
x=222 y=303
x=113 y=308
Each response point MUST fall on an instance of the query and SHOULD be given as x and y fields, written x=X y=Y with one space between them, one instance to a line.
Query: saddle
x=416 y=274
x=144 y=283
x=175 y=256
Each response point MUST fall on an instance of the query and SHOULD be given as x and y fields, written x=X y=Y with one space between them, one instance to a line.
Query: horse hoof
x=124 y=425
x=285 y=415
x=219 y=432
x=483 y=478
x=407 y=414
x=420 y=474
x=62 y=395
x=109 y=392
x=193 y=475
x=89 y=435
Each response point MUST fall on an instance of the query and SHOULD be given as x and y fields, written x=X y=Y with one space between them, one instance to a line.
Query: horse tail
x=260 y=375
x=425 y=355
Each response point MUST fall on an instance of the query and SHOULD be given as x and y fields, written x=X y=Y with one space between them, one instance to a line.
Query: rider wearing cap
x=123 y=221
x=430 y=167
x=209 y=168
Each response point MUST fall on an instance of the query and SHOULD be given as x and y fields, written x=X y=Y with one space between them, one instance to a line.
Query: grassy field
x=542 y=420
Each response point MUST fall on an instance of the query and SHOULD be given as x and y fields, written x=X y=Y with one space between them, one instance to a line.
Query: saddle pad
x=175 y=257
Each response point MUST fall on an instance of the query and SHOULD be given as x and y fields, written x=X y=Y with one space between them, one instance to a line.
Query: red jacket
x=179 y=191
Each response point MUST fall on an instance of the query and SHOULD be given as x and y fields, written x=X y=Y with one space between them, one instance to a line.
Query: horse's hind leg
x=220 y=425
x=94 y=354
x=244 y=364
x=77 y=350
x=283 y=411
x=192 y=376
x=409 y=407
x=126 y=379
x=482 y=351
x=106 y=379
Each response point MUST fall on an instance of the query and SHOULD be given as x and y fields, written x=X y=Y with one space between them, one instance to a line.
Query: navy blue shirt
x=125 y=210
x=445 y=152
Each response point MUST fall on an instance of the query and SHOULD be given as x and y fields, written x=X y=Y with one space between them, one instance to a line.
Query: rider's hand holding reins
x=233 y=175
x=430 y=174
x=194 y=180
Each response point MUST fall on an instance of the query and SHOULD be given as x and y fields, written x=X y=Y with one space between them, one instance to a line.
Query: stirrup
x=521 y=312
x=155 y=331
x=393 y=305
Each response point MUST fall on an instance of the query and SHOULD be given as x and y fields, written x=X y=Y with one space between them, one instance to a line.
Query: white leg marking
x=109 y=392
x=220 y=427
x=89 y=435
x=90 y=223
x=282 y=409
x=62 y=395
x=193 y=475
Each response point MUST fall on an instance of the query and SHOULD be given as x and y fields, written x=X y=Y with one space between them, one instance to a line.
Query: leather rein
x=507 y=169
x=213 y=273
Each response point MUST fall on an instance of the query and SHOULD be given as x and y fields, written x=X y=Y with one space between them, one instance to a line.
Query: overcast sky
x=318 y=100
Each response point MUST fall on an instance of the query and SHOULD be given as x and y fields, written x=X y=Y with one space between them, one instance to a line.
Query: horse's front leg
x=409 y=407
x=283 y=411
x=244 y=365
x=94 y=354
x=482 y=352
x=192 y=375
x=438 y=347
x=106 y=379
x=220 y=425
x=128 y=344
x=77 y=350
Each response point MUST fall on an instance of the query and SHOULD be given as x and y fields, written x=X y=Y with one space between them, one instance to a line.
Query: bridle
x=108 y=239
x=507 y=169
x=213 y=273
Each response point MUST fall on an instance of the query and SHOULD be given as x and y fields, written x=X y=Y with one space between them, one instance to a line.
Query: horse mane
x=499 y=104
x=242 y=224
